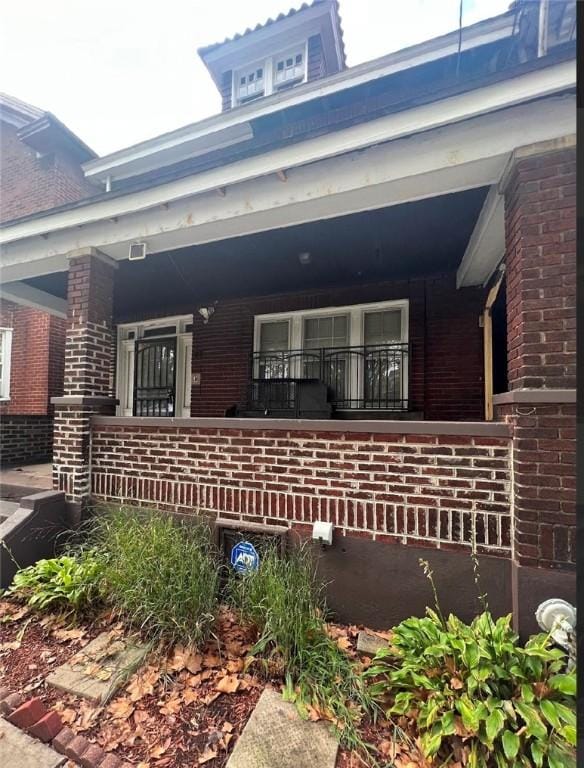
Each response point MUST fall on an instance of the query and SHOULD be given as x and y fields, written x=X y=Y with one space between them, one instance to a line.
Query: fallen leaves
x=228 y=684
x=185 y=657
x=121 y=709
x=142 y=683
x=76 y=634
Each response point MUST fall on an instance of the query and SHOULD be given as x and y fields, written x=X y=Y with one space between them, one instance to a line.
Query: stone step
x=19 y=750
x=368 y=643
x=276 y=737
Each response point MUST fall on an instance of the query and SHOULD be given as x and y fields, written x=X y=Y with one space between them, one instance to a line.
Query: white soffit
x=28 y=296
x=486 y=246
x=462 y=156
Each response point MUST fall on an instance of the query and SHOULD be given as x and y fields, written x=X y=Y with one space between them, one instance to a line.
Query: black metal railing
x=357 y=378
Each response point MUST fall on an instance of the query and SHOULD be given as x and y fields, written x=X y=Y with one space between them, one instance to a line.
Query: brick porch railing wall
x=430 y=489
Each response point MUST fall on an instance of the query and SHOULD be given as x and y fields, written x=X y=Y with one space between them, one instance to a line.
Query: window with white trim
x=250 y=84
x=360 y=351
x=5 y=356
x=274 y=73
x=289 y=69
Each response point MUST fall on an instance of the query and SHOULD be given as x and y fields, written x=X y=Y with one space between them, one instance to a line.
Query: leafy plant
x=70 y=581
x=283 y=599
x=474 y=690
x=160 y=574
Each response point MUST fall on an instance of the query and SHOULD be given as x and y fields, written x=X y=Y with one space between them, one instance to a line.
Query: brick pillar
x=88 y=371
x=540 y=235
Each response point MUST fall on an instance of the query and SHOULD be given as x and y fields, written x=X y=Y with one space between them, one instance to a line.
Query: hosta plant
x=69 y=581
x=475 y=694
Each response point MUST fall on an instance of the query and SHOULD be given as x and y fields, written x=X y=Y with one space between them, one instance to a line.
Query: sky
x=117 y=72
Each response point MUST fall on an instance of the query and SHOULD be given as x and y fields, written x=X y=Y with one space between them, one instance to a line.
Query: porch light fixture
x=206 y=313
x=304 y=258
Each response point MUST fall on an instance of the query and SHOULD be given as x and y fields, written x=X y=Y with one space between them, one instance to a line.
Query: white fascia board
x=486 y=246
x=171 y=152
x=29 y=296
x=446 y=160
x=386 y=129
x=431 y=50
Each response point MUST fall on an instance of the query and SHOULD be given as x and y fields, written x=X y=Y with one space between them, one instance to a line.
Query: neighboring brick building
x=347 y=298
x=40 y=168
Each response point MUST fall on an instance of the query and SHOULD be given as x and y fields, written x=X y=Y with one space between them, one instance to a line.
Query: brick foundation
x=25 y=439
x=433 y=490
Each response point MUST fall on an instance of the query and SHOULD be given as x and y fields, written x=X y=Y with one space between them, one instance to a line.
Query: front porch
x=355 y=317
x=380 y=320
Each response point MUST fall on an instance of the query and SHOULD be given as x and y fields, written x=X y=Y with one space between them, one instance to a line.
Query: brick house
x=349 y=297
x=40 y=161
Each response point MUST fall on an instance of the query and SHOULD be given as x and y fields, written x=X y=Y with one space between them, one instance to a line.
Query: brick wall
x=544 y=482
x=540 y=221
x=88 y=367
x=442 y=322
x=540 y=202
x=25 y=439
x=36 y=361
x=30 y=184
x=89 y=327
x=430 y=489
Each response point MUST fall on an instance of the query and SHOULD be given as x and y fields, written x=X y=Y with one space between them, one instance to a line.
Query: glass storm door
x=155 y=377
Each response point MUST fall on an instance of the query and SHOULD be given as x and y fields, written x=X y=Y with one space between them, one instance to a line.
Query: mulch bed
x=181 y=708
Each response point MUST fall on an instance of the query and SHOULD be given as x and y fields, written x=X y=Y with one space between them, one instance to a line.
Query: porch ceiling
x=424 y=237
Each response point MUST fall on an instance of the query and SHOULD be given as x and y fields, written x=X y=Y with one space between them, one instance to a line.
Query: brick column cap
x=535 y=396
x=530 y=150
x=88 y=250
x=83 y=400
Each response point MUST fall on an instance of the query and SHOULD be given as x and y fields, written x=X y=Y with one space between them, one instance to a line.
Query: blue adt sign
x=244 y=557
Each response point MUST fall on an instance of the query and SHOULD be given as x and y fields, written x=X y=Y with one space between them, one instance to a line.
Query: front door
x=155 y=377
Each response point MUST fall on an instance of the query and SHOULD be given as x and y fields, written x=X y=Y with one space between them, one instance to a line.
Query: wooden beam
x=488 y=344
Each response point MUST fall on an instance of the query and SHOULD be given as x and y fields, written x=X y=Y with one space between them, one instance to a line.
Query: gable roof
x=41 y=130
x=17 y=112
x=206 y=49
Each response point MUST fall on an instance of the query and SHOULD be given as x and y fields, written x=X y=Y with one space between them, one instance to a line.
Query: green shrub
x=70 y=581
x=475 y=688
x=161 y=575
x=283 y=599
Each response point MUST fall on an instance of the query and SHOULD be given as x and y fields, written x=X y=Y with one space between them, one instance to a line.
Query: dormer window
x=250 y=84
x=273 y=74
x=289 y=69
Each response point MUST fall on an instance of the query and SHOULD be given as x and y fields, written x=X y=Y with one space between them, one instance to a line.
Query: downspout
x=487 y=323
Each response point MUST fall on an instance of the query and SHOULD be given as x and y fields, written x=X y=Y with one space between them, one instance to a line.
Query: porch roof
x=400 y=242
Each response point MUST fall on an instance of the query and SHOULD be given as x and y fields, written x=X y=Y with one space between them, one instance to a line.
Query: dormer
x=296 y=47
